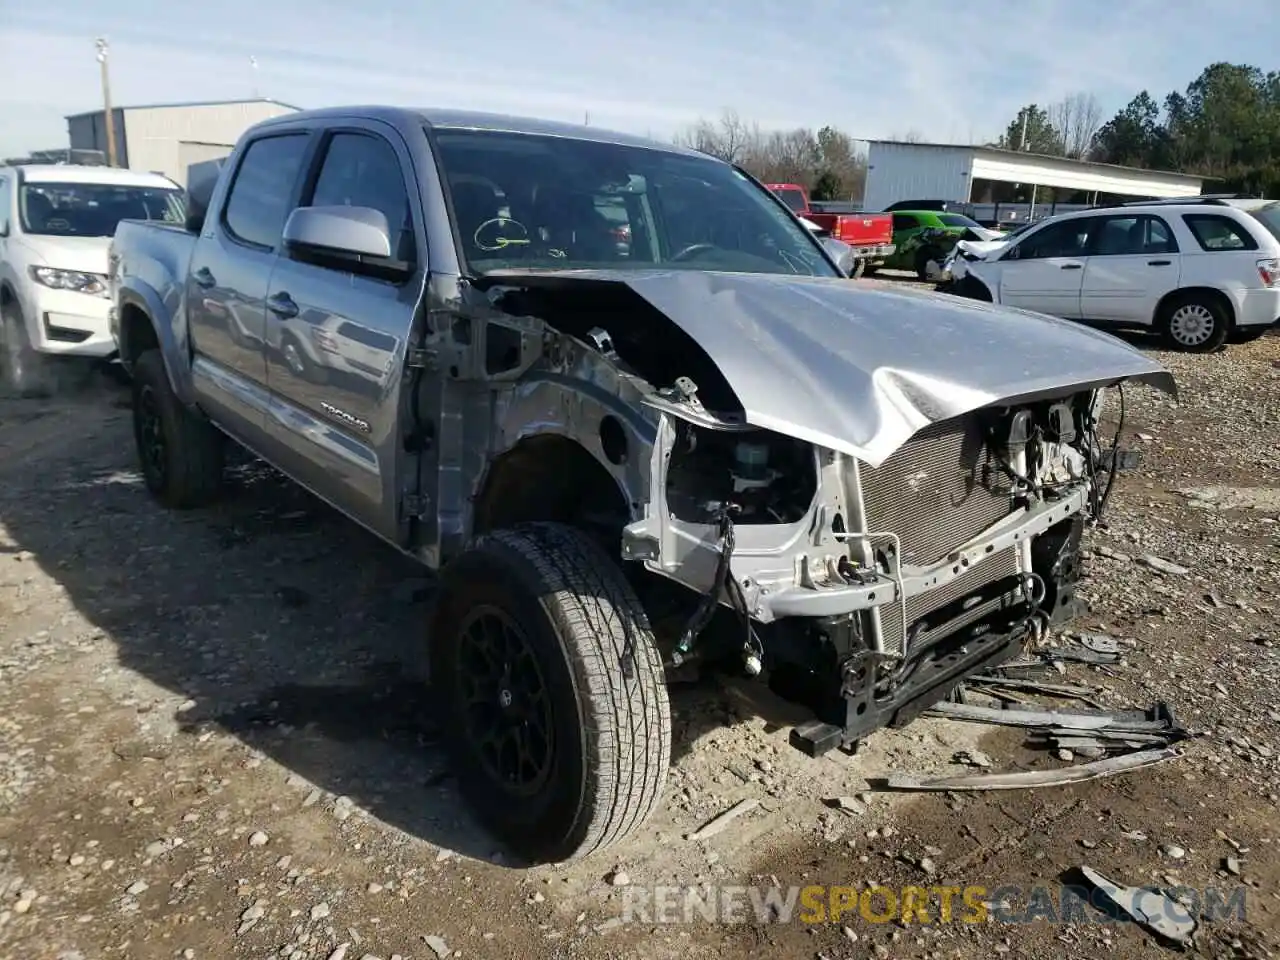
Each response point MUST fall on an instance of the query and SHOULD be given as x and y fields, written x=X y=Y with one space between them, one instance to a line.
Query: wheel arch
x=1170 y=299
x=138 y=330
x=549 y=476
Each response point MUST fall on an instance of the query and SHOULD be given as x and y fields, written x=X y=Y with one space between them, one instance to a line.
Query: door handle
x=204 y=278
x=282 y=305
x=1159 y=263
x=1071 y=266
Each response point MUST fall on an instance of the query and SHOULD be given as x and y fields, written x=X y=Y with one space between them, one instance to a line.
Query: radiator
x=937 y=492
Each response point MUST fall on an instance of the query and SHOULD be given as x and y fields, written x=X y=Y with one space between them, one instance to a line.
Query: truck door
x=336 y=339
x=227 y=282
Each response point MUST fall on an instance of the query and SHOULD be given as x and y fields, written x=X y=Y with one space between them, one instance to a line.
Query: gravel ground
x=211 y=744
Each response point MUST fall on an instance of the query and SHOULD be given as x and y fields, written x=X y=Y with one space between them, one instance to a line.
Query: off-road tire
x=1206 y=307
x=186 y=471
x=19 y=376
x=603 y=678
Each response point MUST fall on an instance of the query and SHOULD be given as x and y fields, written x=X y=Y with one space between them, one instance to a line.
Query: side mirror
x=194 y=222
x=350 y=231
x=1011 y=254
x=841 y=253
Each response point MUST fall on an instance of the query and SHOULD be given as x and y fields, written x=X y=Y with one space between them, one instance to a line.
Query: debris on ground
x=1161 y=915
x=1026 y=779
x=718 y=823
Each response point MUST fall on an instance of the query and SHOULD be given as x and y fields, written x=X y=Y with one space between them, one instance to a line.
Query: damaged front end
x=933 y=536
x=888 y=488
x=869 y=591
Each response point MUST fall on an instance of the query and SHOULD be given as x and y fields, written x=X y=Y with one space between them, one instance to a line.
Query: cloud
x=875 y=68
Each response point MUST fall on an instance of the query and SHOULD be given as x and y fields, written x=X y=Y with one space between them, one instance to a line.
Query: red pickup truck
x=870 y=234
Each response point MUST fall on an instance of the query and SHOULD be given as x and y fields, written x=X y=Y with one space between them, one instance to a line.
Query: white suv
x=56 y=224
x=1199 y=270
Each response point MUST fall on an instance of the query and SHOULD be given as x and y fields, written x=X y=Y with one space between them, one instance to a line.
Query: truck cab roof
x=451 y=119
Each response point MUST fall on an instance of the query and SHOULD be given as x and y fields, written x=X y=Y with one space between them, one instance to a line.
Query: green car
x=923 y=235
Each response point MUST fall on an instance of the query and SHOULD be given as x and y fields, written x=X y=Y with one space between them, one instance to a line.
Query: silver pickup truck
x=635 y=415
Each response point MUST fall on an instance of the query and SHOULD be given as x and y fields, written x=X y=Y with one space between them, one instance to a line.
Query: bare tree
x=911 y=136
x=730 y=139
x=802 y=156
x=1077 y=119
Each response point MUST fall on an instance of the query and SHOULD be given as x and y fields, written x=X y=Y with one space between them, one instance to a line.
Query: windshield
x=523 y=201
x=1269 y=216
x=93 y=209
x=957 y=220
x=792 y=198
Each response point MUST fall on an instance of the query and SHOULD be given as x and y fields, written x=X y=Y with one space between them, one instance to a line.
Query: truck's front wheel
x=547 y=669
x=181 y=454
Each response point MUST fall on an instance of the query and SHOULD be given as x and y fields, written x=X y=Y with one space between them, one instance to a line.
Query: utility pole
x=101 y=44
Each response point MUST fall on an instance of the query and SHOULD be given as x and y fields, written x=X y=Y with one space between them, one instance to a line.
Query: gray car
x=705 y=445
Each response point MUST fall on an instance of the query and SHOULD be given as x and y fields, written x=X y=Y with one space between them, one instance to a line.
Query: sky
x=873 y=68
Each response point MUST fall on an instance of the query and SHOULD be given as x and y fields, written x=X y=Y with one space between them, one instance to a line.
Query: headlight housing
x=93 y=284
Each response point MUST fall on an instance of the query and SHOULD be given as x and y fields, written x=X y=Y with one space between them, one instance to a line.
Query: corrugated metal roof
x=194 y=103
x=981 y=148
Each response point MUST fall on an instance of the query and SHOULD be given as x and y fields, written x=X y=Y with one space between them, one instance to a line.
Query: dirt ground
x=211 y=745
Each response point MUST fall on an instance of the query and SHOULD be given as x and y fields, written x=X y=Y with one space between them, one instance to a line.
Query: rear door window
x=1131 y=236
x=262 y=191
x=903 y=221
x=1216 y=233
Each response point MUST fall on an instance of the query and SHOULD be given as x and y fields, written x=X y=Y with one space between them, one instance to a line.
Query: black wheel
x=181 y=453
x=923 y=256
x=19 y=362
x=546 y=667
x=1195 y=323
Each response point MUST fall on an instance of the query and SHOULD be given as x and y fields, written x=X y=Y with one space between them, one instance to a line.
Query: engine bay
x=760 y=476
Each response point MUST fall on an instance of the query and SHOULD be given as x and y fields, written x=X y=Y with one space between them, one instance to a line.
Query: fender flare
x=173 y=347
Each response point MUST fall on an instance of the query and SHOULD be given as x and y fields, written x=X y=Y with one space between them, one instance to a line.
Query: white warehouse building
x=167 y=138
x=898 y=171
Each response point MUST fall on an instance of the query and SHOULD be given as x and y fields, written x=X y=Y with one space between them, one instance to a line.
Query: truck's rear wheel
x=546 y=665
x=180 y=452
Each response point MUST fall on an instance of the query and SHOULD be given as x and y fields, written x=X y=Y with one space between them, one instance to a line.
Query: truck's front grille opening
x=998 y=567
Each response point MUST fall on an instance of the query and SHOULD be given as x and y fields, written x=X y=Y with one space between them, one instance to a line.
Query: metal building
x=899 y=171
x=168 y=137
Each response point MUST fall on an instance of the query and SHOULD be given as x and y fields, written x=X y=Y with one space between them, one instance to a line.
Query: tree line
x=1224 y=125
x=826 y=162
